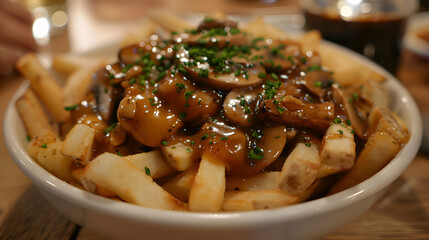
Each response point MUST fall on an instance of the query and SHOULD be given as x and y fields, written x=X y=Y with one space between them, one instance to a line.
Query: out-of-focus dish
x=417 y=34
x=236 y=225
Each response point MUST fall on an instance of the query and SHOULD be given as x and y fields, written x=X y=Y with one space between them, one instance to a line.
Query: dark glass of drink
x=374 y=28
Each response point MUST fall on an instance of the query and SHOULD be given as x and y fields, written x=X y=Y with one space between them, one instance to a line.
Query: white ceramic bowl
x=309 y=220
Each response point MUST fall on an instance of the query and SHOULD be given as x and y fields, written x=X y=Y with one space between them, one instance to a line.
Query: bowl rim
x=226 y=220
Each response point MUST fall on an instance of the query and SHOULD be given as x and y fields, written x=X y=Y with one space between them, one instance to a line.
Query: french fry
x=79 y=143
x=300 y=169
x=346 y=71
x=140 y=33
x=169 y=21
x=260 y=181
x=338 y=150
x=66 y=64
x=179 y=156
x=33 y=116
x=384 y=120
x=79 y=82
x=375 y=92
x=258 y=27
x=208 y=188
x=151 y=162
x=120 y=176
x=180 y=185
x=218 y=15
x=310 y=40
x=377 y=153
x=44 y=85
x=254 y=200
x=54 y=162
x=40 y=141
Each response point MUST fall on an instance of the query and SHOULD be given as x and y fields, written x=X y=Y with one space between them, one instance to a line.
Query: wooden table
x=402 y=213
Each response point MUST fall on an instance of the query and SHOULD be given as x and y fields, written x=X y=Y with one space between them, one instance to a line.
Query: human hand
x=15 y=34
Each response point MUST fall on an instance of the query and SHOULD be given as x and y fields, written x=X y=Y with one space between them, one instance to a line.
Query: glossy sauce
x=169 y=94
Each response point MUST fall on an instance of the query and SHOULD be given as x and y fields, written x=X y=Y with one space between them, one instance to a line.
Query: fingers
x=16 y=27
x=15 y=34
x=8 y=57
x=17 y=10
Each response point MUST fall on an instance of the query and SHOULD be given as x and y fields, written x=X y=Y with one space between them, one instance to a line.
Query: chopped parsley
x=337 y=120
x=147 y=171
x=72 y=107
x=256 y=154
x=348 y=122
x=182 y=115
x=110 y=128
x=318 y=84
x=205 y=136
x=313 y=68
x=180 y=86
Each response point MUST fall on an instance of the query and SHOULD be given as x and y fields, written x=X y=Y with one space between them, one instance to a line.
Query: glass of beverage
x=374 y=28
x=50 y=18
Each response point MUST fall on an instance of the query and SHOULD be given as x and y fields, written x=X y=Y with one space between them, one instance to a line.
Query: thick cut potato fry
x=79 y=143
x=33 y=116
x=141 y=33
x=65 y=64
x=208 y=188
x=152 y=163
x=80 y=82
x=258 y=27
x=338 y=150
x=310 y=41
x=260 y=181
x=169 y=21
x=300 y=169
x=120 y=176
x=44 y=85
x=40 y=141
x=254 y=200
x=180 y=185
x=179 y=156
x=54 y=162
x=346 y=71
x=384 y=120
x=377 y=153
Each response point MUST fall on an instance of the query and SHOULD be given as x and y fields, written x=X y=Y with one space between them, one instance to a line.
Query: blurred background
x=374 y=28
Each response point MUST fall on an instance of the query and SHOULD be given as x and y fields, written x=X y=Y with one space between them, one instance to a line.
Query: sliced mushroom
x=294 y=113
x=224 y=142
x=106 y=95
x=192 y=103
x=219 y=41
x=247 y=77
x=345 y=101
x=240 y=104
x=318 y=82
x=208 y=24
x=278 y=56
x=152 y=122
x=270 y=138
x=157 y=50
